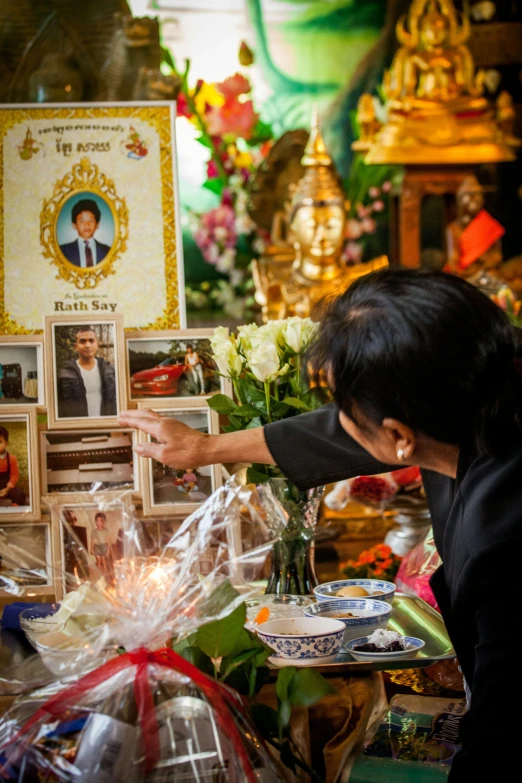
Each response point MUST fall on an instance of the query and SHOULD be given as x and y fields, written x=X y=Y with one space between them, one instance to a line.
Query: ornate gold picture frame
x=89 y=215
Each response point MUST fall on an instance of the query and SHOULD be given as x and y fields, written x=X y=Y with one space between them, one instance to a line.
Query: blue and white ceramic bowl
x=302 y=638
x=413 y=645
x=385 y=590
x=369 y=614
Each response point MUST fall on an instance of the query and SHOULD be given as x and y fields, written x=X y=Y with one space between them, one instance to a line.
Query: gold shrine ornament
x=436 y=111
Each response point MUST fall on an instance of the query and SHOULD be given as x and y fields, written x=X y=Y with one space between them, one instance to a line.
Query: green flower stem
x=236 y=391
x=267 y=399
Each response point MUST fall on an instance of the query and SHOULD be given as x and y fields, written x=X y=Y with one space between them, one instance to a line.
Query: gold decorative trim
x=157 y=117
x=85 y=176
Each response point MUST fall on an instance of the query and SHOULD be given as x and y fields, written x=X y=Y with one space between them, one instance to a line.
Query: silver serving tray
x=411 y=616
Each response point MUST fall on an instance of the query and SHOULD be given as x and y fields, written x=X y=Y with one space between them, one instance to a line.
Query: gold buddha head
x=317 y=209
x=434 y=28
x=470 y=197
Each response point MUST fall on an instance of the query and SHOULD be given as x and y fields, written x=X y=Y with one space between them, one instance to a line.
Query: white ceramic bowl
x=413 y=645
x=369 y=614
x=329 y=590
x=300 y=638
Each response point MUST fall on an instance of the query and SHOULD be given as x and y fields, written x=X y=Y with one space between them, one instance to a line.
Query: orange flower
x=366 y=557
x=378 y=571
x=386 y=563
x=383 y=549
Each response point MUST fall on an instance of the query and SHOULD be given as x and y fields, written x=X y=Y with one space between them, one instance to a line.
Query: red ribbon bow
x=218 y=696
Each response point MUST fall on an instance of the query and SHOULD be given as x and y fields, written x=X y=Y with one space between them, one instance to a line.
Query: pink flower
x=233 y=86
x=386 y=186
x=352 y=252
x=353 y=229
x=362 y=211
x=374 y=192
x=369 y=225
x=232 y=119
x=216 y=232
x=212 y=169
x=378 y=206
x=182 y=106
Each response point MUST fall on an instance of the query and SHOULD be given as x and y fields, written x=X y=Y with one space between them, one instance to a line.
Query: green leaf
x=220 y=637
x=222 y=404
x=256 y=422
x=254 y=476
x=245 y=411
x=197 y=658
x=265 y=719
x=307 y=687
x=284 y=678
x=279 y=410
x=215 y=185
x=220 y=601
x=230 y=663
x=295 y=402
x=284 y=714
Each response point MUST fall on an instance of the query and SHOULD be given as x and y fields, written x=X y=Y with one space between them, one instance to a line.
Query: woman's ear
x=401 y=438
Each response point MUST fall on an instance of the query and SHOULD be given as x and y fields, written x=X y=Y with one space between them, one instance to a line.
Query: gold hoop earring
x=400 y=455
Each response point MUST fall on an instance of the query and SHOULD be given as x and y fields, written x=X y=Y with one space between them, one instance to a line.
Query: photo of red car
x=188 y=371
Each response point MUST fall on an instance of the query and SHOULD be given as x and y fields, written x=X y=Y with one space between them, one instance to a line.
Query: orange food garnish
x=263 y=615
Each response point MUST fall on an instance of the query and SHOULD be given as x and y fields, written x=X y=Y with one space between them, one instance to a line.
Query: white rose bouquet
x=265 y=365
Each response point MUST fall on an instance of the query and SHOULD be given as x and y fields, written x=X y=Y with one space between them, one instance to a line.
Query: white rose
x=219 y=337
x=246 y=334
x=264 y=363
x=226 y=260
x=270 y=333
x=228 y=360
x=298 y=333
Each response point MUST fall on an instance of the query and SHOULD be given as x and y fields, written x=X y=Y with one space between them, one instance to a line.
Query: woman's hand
x=178 y=446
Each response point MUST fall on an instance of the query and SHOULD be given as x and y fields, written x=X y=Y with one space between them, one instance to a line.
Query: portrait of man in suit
x=85 y=251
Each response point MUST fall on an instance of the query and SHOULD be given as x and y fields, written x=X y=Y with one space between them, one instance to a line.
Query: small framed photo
x=167 y=490
x=22 y=370
x=26 y=558
x=74 y=461
x=91 y=540
x=171 y=365
x=86 y=376
x=19 y=479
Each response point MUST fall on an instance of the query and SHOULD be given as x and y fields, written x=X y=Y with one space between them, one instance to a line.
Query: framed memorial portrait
x=22 y=370
x=85 y=378
x=167 y=490
x=91 y=539
x=19 y=477
x=74 y=461
x=26 y=558
x=171 y=365
x=91 y=224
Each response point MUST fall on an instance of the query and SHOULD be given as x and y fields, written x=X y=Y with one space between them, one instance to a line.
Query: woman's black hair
x=428 y=349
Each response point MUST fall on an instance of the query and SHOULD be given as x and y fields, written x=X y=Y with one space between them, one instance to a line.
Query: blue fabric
x=11 y=614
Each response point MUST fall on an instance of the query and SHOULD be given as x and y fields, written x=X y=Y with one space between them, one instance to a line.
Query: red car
x=171 y=377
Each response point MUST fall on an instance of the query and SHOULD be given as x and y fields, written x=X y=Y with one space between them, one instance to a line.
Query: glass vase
x=293 y=557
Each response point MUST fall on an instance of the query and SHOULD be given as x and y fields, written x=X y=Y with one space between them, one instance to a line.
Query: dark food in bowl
x=393 y=647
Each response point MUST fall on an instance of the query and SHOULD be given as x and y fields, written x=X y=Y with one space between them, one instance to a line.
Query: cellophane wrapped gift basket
x=119 y=702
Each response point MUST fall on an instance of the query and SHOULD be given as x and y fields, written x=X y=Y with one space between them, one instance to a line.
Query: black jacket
x=477 y=525
x=72 y=396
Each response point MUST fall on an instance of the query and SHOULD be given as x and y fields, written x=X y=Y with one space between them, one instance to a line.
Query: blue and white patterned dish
x=303 y=638
x=370 y=614
x=329 y=590
x=413 y=645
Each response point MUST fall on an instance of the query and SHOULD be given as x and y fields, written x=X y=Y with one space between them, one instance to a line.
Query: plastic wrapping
x=122 y=704
x=417 y=568
x=378 y=491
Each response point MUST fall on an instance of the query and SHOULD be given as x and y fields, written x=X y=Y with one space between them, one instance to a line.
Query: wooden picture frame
x=75 y=561
x=26 y=463
x=73 y=455
x=186 y=409
x=10 y=346
x=119 y=161
x=34 y=561
x=72 y=395
x=177 y=382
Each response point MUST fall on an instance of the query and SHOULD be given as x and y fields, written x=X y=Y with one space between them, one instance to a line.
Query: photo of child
x=14 y=466
x=92 y=541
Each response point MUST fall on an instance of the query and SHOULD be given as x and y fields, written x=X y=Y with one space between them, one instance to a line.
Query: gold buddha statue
x=436 y=110
x=307 y=267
